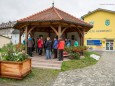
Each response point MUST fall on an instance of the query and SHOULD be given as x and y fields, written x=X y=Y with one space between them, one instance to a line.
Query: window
x=94 y=42
x=107 y=22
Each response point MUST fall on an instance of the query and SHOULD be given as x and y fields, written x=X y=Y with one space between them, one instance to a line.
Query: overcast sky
x=12 y=10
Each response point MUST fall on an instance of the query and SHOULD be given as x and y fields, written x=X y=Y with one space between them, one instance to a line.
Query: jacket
x=55 y=44
x=30 y=42
x=75 y=44
x=48 y=45
x=40 y=43
x=61 y=45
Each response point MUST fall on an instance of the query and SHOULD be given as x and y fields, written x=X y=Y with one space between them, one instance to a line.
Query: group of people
x=56 y=45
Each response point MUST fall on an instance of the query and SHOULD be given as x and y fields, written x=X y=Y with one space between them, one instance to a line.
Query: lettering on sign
x=100 y=31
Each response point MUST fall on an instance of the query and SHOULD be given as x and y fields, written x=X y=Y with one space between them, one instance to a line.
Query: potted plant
x=14 y=63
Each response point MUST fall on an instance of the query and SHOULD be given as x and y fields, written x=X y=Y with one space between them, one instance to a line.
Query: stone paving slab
x=101 y=74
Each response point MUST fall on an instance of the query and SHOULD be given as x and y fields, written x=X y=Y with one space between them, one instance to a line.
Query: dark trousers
x=33 y=48
x=60 y=55
x=39 y=51
x=30 y=51
x=36 y=49
x=55 y=53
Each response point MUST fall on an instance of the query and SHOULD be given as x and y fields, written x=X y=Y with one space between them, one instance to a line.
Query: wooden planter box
x=16 y=70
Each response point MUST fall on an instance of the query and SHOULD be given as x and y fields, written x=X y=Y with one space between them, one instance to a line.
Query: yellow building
x=102 y=35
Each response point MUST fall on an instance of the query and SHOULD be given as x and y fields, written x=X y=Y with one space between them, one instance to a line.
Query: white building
x=6 y=30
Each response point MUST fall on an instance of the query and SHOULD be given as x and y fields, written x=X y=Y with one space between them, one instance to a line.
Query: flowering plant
x=10 y=53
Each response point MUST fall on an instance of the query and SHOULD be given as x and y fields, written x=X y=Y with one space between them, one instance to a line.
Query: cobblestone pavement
x=101 y=74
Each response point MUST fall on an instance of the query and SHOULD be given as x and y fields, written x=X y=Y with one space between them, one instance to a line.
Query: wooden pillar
x=59 y=32
x=26 y=38
x=20 y=37
x=83 y=38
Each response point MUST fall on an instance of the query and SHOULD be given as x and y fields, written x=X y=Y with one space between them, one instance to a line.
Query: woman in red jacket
x=61 y=46
x=40 y=46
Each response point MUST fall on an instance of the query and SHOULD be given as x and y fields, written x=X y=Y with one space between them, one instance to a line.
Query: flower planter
x=16 y=70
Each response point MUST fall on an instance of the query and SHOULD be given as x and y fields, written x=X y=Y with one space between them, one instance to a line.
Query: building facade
x=4 y=40
x=7 y=30
x=102 y=35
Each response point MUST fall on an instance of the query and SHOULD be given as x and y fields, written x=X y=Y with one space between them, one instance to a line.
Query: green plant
x=10 y=53
x=75 y=55
x=75 y=49
x=20 y=47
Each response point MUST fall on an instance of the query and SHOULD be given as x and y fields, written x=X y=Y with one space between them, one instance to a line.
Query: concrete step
x=48 y=67
x=50 y=64
x=42 y=61
x=47 y=64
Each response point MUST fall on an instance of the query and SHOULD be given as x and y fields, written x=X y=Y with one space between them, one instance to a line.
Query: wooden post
x=26 y=39
x=20 y=37
x=59 y=32
x=83 y=38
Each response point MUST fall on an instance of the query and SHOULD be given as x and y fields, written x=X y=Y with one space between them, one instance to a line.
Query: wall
x=100 y=30
x=4 y=41
x=69 y=35
x=15 y=38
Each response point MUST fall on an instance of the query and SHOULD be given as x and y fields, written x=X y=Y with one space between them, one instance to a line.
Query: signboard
x=94 y=42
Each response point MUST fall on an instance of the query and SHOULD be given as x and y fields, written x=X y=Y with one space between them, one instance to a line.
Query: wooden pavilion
x=52 y=20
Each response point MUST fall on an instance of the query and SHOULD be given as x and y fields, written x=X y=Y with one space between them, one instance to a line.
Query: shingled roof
x=99 y=9
x=54 y=14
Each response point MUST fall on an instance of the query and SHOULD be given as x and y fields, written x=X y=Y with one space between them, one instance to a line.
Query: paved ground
x=101 y=74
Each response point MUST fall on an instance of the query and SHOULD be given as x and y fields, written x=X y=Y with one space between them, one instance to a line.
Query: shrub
x=75 y=49
x=75 y=55
x=20 y=47
x=10 y=53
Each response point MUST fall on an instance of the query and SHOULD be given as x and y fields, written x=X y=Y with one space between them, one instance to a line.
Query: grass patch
x=38 y=77
x=74 y=64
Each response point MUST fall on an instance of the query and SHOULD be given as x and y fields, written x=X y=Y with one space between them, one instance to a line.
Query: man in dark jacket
x=48 y=46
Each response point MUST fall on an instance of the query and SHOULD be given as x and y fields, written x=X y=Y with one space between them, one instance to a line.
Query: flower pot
x=16 y=70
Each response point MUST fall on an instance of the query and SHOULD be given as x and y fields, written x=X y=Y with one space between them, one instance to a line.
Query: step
x=46 y=67
x=47 y=64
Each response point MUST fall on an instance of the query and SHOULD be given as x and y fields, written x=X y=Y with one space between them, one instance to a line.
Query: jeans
x=48 y=54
